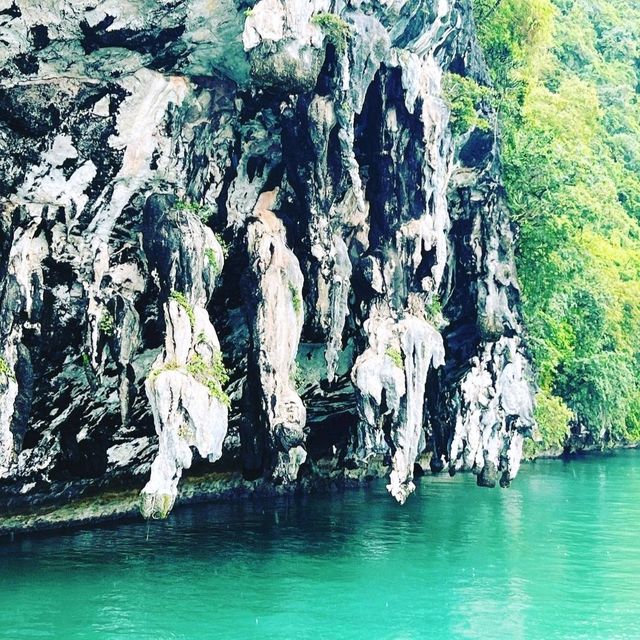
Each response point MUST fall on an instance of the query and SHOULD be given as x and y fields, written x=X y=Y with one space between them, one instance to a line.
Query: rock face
x=243 y=234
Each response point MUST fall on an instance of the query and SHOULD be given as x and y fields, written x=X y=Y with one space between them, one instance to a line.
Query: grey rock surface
x=240 y=236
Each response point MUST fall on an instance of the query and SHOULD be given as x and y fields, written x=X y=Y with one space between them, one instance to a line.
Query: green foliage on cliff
x=224 y=245
x=552 y=416
x=212 y=375
x=396 y=357
x=107 y=325
x=336 y=30
x=567 y=75
x=433 y=311
x=464 y=97
x=296 y=299
x=183 y=302
x=5 y=370
x=203 y=212
x=212 y=259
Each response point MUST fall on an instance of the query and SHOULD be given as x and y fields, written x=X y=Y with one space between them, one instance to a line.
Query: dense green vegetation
x=464 y=96
x=567 y=82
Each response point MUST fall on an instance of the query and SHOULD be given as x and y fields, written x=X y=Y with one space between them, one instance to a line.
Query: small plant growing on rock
x=248 y=12
x=224 y=245
x=5 y=370
x=212 y=375
x=107 y=325
x=296 y=299
x=210 y=254
x=201 y=211
x=181 y=299
x=335 y=29
x=463 y=96
x=89 y=373
x=296 y=378
x=167 y=366
x=396 y=357
x=433 y=309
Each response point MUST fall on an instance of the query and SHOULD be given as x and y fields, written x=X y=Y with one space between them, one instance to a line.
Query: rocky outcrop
x=240 y=236
x=185 y=384
x=276 y=324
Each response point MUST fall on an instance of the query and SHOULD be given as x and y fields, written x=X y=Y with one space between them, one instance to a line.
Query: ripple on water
x=555 y=556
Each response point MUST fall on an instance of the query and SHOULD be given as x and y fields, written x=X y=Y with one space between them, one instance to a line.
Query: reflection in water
x=555 y=556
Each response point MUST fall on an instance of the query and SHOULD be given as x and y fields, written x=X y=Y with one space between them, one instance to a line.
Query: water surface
x=555 y=556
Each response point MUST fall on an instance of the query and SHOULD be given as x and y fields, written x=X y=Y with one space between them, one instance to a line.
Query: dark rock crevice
x=312 y=232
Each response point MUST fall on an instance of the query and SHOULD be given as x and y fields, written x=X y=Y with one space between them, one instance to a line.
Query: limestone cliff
x=241 y=236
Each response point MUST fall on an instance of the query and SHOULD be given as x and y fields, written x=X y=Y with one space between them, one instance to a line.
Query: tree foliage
x=568 y=80
x=464 y=97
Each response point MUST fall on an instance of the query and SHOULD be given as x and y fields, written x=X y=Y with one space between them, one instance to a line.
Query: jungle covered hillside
x=566 y=77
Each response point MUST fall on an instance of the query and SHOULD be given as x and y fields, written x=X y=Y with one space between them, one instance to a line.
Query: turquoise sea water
x=555 y=556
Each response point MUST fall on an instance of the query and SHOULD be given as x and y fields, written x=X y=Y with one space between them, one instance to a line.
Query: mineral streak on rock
x=241 y=236
x=276 y=326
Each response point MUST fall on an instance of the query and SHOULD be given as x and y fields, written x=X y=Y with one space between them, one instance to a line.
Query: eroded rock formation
x=243 y=233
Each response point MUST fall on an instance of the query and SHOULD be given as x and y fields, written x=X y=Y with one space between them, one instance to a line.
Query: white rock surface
x=358 y=241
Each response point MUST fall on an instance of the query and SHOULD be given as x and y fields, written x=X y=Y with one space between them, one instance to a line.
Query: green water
x=555 y=556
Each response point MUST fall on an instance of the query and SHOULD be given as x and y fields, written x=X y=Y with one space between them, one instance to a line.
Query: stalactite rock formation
x=241 y=237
